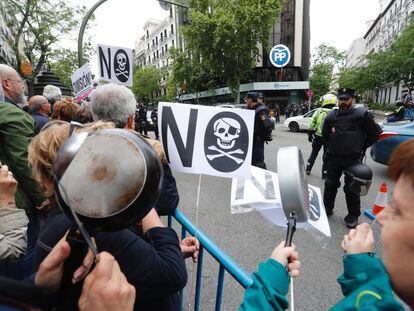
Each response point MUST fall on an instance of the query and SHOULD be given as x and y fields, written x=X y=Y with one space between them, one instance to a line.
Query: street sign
x=309 y=93
x=115 y=64
x=82 y=83
x=279 y=55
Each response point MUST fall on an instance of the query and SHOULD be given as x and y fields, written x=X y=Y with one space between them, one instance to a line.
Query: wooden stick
x=292 y=296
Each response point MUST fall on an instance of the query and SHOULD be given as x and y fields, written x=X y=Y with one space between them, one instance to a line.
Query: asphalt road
x=250 y=239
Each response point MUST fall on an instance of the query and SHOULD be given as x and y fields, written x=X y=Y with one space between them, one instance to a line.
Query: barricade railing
x=226 y=263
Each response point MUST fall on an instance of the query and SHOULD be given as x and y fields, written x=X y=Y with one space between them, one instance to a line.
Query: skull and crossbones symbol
x=227 y=131
x=121 y=59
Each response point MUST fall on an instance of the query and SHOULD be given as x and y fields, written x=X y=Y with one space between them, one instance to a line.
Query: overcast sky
x=336 y=22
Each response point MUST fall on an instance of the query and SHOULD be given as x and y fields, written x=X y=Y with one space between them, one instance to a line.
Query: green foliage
x=146 y=81
x=327 y=60
x=35 y=27
x=381 y=107
x=395 y=65
x=221 y=41
x=63 y=62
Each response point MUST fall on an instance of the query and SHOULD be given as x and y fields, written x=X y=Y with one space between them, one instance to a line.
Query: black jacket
x=154 y=265
x=348 y=134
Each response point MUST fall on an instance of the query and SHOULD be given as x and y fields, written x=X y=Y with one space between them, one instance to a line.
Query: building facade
x=386 y=27
x=151 y=49
x=6 y=53
x=355 y=53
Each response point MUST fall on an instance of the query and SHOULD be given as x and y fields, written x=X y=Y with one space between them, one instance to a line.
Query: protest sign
x=261 y=193
x=207 y=140
x=82 y=83
x=115 y=64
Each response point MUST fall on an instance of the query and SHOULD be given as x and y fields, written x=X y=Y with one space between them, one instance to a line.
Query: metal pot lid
x=293 y=183
x=106 y=175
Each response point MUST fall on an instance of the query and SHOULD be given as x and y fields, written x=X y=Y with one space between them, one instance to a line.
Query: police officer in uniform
x=262 y=128
x=348 y=132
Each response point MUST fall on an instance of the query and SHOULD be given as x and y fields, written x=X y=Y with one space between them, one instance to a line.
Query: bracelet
x=7 y=204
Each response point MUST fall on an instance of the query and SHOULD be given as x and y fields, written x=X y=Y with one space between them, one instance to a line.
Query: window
x=166 y=48
x=171 y=13
x=172 y=29
x=158 y=55
x=172 y=43
x=148 y=32
x=161 y=37
x=165 y=33
x=148 y=46
x=156 y=40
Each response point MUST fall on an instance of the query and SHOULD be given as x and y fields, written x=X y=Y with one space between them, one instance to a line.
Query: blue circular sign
x=279 y=55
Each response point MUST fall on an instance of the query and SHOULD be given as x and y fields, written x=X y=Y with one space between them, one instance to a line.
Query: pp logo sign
x=279 y=55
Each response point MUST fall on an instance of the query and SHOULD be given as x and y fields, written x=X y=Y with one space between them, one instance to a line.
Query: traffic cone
x=381 y=200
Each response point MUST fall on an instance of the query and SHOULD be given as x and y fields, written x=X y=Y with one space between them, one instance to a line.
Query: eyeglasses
x=20 y=81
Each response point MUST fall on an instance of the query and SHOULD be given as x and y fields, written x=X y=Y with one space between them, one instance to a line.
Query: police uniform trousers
x=317 y=144
x=258 y=152
x=335 y=166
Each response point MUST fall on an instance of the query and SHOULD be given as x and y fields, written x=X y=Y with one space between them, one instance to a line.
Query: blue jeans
x=24 y=267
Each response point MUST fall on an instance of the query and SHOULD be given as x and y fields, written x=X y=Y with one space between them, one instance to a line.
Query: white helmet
x=329 y=100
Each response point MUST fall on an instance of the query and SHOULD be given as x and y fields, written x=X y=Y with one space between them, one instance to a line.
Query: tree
x=35 y=27
x=395 y=65
x=326 y=62
x=63 y=62
x=146 y=82
x=223 y=36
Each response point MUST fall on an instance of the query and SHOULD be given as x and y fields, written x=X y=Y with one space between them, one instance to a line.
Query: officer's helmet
x=329 y=101
x=361 y=175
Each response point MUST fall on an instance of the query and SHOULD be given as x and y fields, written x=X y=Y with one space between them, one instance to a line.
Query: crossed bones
x=120 y=72
x=222 y=153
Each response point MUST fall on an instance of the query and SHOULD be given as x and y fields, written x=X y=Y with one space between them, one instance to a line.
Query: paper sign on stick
x=82 y=83
x=207 y=140
x=261 y=193
x=115 y=64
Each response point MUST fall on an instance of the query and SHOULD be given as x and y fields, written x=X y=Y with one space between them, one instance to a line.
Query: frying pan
x=108 y=180
x=111 y=178
x=293 y=185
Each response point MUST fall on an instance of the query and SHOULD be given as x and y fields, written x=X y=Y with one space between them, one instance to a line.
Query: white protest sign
x=115 y=64
x=82 y=83
x=261 y=193
x=207 y=140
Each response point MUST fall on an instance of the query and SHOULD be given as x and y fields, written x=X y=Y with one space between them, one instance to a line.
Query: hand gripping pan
x=293 y=187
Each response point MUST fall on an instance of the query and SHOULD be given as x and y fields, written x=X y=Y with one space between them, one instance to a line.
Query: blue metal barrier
x=226 y=263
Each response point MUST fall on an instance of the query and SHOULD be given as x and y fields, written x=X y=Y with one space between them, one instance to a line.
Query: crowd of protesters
x=143 y=267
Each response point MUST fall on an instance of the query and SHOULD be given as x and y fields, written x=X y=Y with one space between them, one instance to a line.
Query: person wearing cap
x=262 y=128
x=347 y=132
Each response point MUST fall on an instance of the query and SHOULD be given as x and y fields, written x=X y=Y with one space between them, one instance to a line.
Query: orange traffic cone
x=381 y=200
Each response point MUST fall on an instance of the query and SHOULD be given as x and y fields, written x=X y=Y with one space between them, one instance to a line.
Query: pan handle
x=291 y=228
x=79 y=248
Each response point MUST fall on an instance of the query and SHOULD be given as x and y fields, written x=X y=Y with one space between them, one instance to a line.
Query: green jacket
x=270 y=285
x=365 y=285
x=316 y=122
x=16 y=130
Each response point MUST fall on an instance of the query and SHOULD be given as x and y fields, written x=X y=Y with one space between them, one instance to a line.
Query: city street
x=250 y=239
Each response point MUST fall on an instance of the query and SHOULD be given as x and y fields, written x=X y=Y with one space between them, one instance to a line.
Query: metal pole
x=82 y=30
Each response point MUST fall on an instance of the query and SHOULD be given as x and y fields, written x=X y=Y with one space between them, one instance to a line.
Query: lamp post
x=89 y=14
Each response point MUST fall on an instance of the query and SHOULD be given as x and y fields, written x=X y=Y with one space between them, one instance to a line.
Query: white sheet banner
x=115 y=64
x=82 y=82
x=261 y=193
x=207 y=140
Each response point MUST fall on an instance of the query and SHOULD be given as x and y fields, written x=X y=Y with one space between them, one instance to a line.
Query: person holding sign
x=262 y=129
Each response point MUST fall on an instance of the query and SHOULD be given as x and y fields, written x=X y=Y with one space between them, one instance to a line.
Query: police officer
x=348 y=132
x=154 y=118
x=262 y=128
x=315 y=131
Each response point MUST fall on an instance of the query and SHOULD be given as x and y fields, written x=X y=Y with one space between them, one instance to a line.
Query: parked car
x=393 y=134
x=299 y=123
x=244 y=106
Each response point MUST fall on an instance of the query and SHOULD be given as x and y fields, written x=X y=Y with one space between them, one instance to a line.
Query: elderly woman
x=367 y=282
x=154 y=265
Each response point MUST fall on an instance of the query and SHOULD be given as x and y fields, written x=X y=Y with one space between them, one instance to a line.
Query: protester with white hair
x=52 y=93
x=115 y=103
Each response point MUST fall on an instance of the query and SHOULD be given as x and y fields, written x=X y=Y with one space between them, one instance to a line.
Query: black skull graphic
x=226 y=141
x=121 y=65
